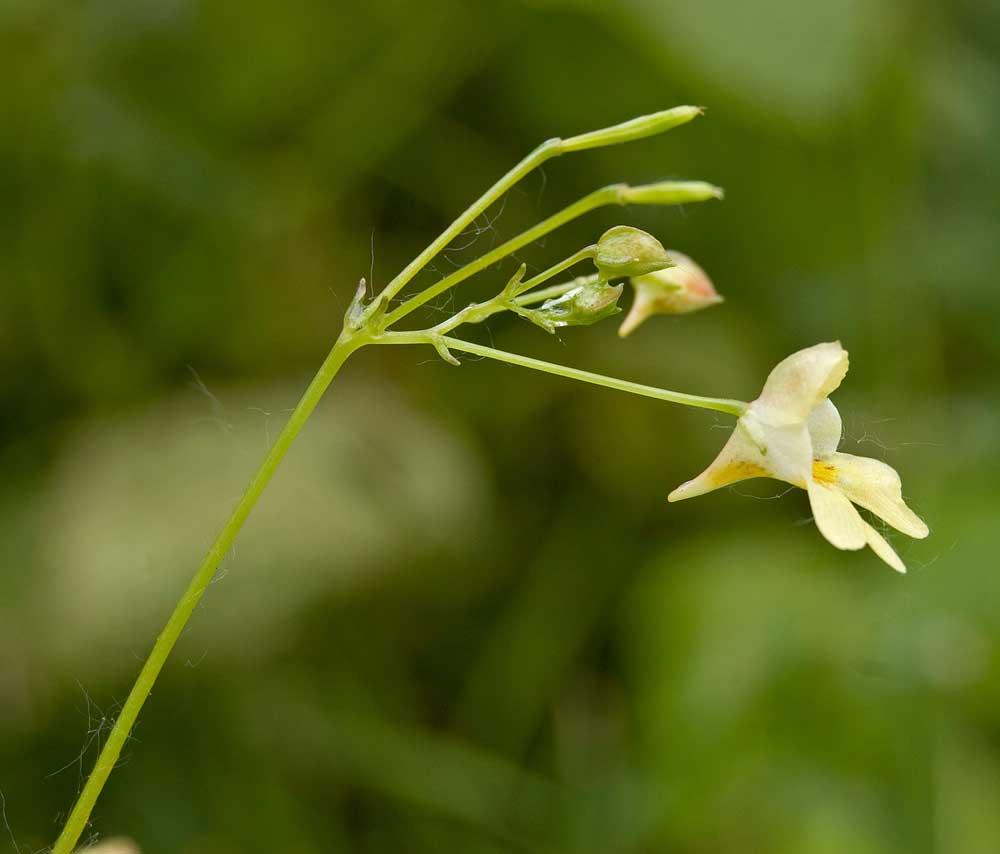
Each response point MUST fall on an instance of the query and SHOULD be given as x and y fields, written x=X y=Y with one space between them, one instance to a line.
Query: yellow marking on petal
x=824 y=472
x=876 y=486
x=735 y=471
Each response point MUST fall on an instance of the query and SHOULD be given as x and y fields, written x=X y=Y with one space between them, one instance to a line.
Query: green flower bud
x=681 y=289
x=588 y=303
x=638 y=128
x=626 y=251
x=671 y=193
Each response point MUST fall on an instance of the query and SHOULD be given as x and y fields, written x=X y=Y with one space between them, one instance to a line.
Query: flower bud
x=670 y=193
x=680 y=289
x=638 y=128
x=626 y=251
x=588 y=303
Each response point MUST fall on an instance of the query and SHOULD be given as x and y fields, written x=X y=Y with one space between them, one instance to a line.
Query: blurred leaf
x=134 y=502
x=433 y=772
x=802 y=63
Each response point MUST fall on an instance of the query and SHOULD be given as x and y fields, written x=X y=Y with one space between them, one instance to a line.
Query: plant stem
x=719 y=404
x=633 y=129
x=605 y=196
x=662 y=193
x=556 y=269
x=478 y=312
x=359 y=332
x=108 y=756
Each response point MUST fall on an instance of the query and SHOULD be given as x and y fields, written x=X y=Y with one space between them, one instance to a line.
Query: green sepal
x=587 y=304
x=625 y=251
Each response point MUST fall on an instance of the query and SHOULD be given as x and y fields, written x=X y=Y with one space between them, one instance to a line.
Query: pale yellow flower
x=791 y=433
x=679 y=289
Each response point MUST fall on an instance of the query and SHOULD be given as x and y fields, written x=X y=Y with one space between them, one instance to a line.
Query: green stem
x=556 y=269
x=633 y=129
x=719 y=404
x=662 y=193
x=478 y=312
x=605 y=196
x=547 y=150
x=108 y=756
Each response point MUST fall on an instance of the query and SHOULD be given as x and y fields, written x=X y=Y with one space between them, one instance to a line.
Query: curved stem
x=108 y=756
x=633 y=129
x=362 y=324
x=546 y=151
x=605 y=196
x=719 y=404
x=478 y=312
x=661 y=193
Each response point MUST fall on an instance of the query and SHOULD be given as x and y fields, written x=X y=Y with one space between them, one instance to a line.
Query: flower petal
x=837 y=519
x=756 y=449
x=739 y=459
x=825 y=428
x=680 y=289
x=876 y=486
x=883 y=549
x=786 y=449
x=797 y=384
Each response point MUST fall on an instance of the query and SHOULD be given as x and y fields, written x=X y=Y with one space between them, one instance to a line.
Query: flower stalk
x=621 y=253
x=108 y=757
x=663 y=193
x=365 y=323
x=634 y=129
x=719 y=404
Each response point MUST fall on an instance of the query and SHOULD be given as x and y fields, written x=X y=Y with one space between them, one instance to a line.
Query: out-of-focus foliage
x=464 y=617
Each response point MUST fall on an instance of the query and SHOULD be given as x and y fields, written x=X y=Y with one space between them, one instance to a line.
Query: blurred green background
x=464 y=617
